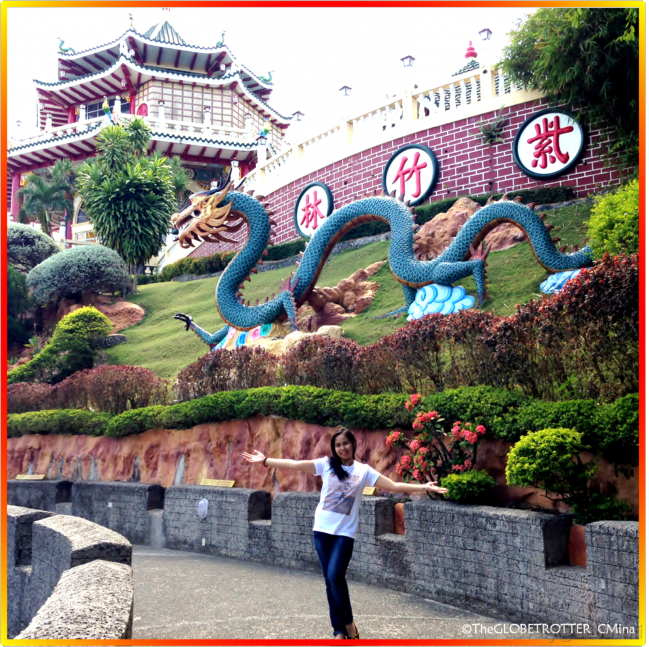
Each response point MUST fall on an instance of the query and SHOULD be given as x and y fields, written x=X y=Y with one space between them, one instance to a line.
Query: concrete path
x=182 y=595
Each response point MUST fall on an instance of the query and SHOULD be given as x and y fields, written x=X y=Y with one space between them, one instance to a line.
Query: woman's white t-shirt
x=337 y=512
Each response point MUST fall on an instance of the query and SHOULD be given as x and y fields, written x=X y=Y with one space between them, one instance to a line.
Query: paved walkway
x=181 y=595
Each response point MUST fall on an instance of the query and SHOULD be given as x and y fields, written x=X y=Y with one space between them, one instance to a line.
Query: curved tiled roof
x=166 y=34
x=470 y=66
x=156 y=72
x=154 y=131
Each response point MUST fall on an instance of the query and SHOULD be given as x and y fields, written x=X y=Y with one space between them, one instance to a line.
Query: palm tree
x=179 y=178
x=43 y=198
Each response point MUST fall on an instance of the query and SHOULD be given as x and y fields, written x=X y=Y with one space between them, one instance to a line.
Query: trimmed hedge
x=58 y=421
x=610 y=429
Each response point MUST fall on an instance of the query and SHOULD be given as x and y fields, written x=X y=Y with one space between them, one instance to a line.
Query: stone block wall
x=40 y=495
x=466 y=167
x=42 y=547
x=122 y=507
x=501 y=562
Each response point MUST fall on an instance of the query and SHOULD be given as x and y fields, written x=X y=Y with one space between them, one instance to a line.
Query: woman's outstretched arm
x=384 y=483
x=281 y=463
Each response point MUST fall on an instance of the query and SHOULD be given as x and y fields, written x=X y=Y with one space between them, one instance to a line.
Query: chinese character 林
x=311 y=212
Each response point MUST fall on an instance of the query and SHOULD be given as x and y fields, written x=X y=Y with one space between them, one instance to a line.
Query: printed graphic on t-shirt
x=341 y=494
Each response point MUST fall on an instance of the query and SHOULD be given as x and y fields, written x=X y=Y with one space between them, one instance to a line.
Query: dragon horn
x=257 y=302
x=401 y=197
x=407 y=203
x=247 y=304
x=251 y=192
x=414 y=217
x=272 y=296
x=260 y=261
x=259 y=198
x=272 y=222
x=301 y=254
x=415 y=227
x=241 y=286
x=490 y=201
x=505 y=198
x=549 y=227
x=563 y=249
x=556 y=239
x=297 y=263
x=383 y=194
x=543 y=216
x=394 y=193
x=531 y=205
x=575 y=248
x=247 y=278
x=254 y=270
x=265 y=252
x=586 y=240
x=411 y=209
x=266 y=301
x=518 y=198
x=238 y=294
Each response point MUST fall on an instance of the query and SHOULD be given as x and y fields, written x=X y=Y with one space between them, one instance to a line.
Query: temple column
x=72 y=117
x=132 y=104
x=15 y=199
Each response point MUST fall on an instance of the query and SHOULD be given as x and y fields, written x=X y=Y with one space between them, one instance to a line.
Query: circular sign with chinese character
x=548 y=144
x=314 y=205
x=412 y=172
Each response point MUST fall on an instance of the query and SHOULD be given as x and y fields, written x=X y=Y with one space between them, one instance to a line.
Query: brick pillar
x=72 y=117
x=15 y=200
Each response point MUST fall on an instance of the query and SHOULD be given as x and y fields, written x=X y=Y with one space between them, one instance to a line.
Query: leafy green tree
x=586 y=58
x=18 y=302
x=46 y=196
x=180 y=180
x=129 y=197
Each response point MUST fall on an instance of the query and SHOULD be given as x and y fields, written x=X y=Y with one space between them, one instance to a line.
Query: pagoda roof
x=164 y=33
x=79 y=144
x=469 y=67
x=163 y=47
x=126 y=73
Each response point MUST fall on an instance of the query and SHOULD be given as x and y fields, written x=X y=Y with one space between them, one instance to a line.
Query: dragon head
x=206 y=219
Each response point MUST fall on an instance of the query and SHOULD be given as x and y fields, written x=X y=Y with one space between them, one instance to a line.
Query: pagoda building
x=201 y=104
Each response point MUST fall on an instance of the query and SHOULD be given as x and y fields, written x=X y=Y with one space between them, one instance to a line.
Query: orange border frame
x=337 y=4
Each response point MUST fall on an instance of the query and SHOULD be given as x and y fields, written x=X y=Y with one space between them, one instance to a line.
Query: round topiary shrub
x=27 y=247
x=469 y=487
x=614 y=224
x=549 y=460
x=75 y=271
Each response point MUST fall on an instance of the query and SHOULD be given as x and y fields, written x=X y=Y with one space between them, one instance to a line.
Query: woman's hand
x=432 y=487
x=256 y=457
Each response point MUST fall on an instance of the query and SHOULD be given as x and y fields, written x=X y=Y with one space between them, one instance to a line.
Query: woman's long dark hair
x=334 y=462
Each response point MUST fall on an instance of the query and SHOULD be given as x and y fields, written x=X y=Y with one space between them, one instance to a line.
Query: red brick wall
x=466 y=167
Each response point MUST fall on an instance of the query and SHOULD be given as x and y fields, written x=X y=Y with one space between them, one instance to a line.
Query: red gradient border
x=338 y=4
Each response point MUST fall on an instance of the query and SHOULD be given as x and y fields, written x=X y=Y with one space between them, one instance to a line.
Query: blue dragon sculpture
x=213 y=214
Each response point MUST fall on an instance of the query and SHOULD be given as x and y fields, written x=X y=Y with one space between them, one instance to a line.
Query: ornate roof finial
x=65 y=50
x=470 y=52
x=130 y=17
x=222 y=41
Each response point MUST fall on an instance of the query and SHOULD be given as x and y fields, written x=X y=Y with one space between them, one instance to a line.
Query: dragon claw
x=186 y=319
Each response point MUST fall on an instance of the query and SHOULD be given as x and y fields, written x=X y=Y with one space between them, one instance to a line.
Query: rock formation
x=436 y=235
x=331 y=306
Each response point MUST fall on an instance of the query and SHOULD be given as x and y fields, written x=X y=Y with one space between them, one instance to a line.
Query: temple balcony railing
x=480 y=91
x=165 y=127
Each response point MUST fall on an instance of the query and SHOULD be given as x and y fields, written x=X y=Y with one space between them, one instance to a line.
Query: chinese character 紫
x=547 y=143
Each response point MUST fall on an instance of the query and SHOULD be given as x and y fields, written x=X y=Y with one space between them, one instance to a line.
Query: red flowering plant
x=434 y=453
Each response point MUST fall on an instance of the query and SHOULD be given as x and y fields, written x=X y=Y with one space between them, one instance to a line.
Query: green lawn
x=161 y=344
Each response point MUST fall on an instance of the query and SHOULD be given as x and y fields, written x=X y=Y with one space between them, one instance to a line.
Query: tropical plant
x=587 y=58
x=128 y=197
x=491 y=131
x=44 y=197
x=614 y=225
x=27 y=247
x=90 y=268
x=429 y=457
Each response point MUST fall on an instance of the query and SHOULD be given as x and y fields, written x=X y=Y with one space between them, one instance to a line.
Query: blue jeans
x=334 y=552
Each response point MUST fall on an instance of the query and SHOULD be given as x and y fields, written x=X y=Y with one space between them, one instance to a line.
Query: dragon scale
x=458 y=260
